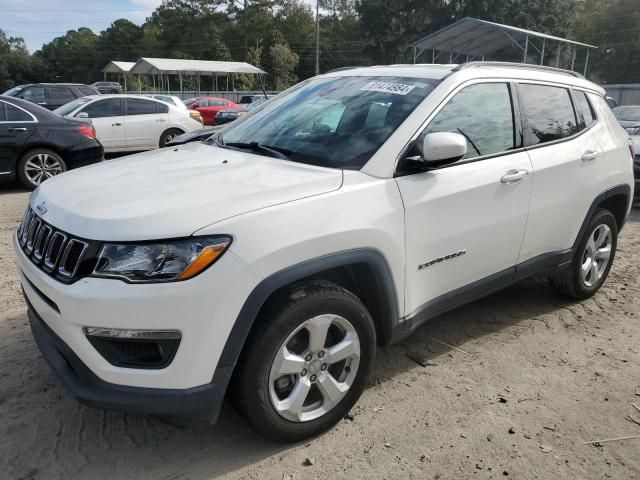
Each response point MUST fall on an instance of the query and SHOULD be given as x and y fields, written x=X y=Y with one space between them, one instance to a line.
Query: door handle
x=513 y=176
x=116 y=124
x=589 y=155
x=18 y=129
x=160 y=120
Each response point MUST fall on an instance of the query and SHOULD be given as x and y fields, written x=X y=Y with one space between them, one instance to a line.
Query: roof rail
x=530 y=66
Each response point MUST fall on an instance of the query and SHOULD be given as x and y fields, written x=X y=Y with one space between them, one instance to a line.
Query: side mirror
x=442 y=148
x=82 y=115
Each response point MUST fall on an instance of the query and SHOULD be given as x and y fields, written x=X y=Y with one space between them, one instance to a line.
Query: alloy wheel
x=41 y=167
x=596 y=255
x=314 y=368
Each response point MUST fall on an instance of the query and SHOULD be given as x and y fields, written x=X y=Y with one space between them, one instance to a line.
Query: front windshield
x=337 y=122
x=629 y=114
x=67 y=108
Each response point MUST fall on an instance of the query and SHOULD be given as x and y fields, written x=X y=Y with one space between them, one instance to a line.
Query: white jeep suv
x=338 y=216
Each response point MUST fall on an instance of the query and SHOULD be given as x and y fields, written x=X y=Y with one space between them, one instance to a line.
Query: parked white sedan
x=126 y=123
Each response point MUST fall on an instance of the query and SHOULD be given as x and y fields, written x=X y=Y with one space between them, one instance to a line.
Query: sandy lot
x=531 y=377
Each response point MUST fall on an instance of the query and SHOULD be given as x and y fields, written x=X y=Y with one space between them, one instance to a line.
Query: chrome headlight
x=165 y=261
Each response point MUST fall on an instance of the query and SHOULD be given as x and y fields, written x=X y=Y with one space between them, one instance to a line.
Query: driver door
x=465 y=222
x=108 y=119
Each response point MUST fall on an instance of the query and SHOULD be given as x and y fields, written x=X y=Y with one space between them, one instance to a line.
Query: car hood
x=173 y=192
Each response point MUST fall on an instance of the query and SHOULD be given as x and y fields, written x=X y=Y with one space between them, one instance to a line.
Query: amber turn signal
x=207 y=256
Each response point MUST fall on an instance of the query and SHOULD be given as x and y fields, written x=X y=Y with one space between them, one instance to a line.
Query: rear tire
x=168 y=135
x=593 y=258
x=38 y=165
x=325 y=385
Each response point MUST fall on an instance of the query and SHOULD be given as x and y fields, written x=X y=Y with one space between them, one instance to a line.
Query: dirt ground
x=521 y=379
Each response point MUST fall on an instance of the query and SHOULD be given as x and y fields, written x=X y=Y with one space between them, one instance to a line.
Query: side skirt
x=546 y=264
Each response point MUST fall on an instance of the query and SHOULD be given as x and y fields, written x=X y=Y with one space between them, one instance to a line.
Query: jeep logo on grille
x=42 y=208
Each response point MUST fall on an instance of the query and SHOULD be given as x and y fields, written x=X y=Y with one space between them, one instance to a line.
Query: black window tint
x=109 y=107
x=3 y=115
x=217 y=103
x=160 y=108
x=483 y=114
x=33 y=94
x=140 y=107
x=15 y=114
x=548 y=111
x=58 y=93
x=588 y=115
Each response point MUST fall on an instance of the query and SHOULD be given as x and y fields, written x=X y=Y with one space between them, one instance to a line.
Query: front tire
x=593 y=258
x=306 y=363
x=169 y=135
x=38 y=165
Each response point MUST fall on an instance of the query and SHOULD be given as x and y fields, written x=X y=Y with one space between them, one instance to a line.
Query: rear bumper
x=86 y=153
x=201 y=403
x=636 y=174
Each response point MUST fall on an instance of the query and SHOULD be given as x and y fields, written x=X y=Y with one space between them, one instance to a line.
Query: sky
x=40 y=21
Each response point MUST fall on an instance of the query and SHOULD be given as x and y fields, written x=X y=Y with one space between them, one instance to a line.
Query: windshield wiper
x=280 y=153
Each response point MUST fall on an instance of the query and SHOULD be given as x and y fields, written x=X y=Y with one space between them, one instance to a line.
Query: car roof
x=471 y=70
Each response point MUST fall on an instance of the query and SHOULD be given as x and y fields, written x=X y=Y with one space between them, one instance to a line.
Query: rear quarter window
x=585 y=107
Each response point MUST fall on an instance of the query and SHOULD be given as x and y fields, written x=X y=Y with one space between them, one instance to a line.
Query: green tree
x=72 y=57
x=614 y=26
x=282 y=63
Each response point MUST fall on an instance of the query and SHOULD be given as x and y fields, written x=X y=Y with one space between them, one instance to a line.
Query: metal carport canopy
x=178 y=66
x=118 y=67
x=475 y=37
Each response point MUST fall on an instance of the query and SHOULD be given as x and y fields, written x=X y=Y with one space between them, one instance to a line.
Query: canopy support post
x=125 y=83
x=558 y=56
x=139 y=83
x=433 y=56
x=450 y=57
x=586 y=62
x=180 y=78
x=415 y=54
x=542 y=53
x=573 y=57
x=526 y=48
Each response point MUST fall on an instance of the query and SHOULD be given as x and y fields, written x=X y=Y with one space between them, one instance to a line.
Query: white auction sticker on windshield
x=388 y=87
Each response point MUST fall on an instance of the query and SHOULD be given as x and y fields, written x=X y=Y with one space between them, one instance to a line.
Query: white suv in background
x=337 y=217
x=128 y=123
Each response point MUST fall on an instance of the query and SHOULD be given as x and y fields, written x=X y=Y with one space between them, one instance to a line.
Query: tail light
x=196 y=115
x=87 y=131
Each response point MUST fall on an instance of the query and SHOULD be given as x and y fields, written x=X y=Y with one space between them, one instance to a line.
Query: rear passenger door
x=16 y=125
x=145 y=122
x=568 y=164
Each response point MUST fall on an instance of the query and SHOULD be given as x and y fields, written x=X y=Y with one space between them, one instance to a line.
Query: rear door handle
x=513 y=176
x=589 y=155
x=116 y=124
x=17 y=129
x=160 y=120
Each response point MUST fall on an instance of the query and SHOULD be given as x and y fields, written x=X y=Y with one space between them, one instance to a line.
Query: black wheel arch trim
x=389 y=314
x=623 y=189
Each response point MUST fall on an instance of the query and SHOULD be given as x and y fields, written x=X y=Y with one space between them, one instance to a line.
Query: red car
x=209 y=106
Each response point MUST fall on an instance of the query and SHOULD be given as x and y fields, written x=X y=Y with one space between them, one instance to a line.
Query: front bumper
x=201 y=403
x=204 y=309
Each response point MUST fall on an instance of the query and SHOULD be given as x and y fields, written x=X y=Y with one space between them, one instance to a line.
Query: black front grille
x=55 y=252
